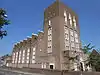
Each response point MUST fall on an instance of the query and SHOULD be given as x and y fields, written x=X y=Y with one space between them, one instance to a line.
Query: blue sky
x=27 y=17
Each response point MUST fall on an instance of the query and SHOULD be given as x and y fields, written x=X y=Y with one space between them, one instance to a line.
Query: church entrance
x=51 y=66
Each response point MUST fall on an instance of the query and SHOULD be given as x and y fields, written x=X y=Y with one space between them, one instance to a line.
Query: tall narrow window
x=65 y=17
x=66 y=37
x=50 y=22
x=70 y=19
x=16 y=57
x=74 y=20
x=49 y=38
x=23 y=57
x=76 y=38
x=28 y=53
x=19 y=57
x=13 y=58
x=33 y=55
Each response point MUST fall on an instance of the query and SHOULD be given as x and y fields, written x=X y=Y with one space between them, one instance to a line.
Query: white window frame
x=34 y=48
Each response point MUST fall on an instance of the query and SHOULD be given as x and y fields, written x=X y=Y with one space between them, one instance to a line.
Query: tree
x=3 y=21
x=94 y=60
x=86 y=49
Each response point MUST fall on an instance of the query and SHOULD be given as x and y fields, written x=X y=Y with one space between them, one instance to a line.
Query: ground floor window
x=43 y=65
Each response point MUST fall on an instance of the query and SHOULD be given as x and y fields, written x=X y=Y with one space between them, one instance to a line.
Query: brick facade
x=55 y=46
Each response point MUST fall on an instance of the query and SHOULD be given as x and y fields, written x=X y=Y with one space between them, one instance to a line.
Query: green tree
x=86 y=49
x=3 y=21
x=94 y=60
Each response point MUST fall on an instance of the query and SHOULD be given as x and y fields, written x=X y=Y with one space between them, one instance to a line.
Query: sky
x=27 y=17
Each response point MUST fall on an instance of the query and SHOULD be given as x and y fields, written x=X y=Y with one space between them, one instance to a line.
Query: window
x=19 y=57
x=70 y=19
x=33 y=61
x=49 y=32
x=49 y=22
x=65 y=17
x=42 y=65
x=20 y=52
x=72 y=45
x=34 y=48
x=23 y=58
x=18 y=61
x=76 y=35
x=49 y=50
x=33 y=57
x=65 y=14
x=71 y=38
x=49 y=37
x=66 y=30
x=76 y=40
x=66 y=36
x=28 y=50
x=49 y=43
x=16 y=57
x=71 y=33
x=27 y=57
x=70 y=22
x=27 y=61
x=77 y=45
x=40 y=50
x=66 y=43
x=74 y=20
x=33 y=53
x=23 y=51
x=22 y=61
x=28 y=54
x=75 y=25
x=70 y=16
x=66 y=47
x=13 y=58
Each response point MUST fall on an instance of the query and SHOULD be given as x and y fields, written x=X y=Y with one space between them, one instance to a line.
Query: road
x=10 y=72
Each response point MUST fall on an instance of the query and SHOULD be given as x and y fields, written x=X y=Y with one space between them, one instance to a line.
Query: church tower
x=62 y=37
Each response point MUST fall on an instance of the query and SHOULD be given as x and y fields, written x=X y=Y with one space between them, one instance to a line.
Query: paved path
x=10 y=72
